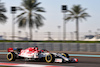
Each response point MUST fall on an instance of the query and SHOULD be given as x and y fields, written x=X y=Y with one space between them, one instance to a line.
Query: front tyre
x=11 y=56
x=65 y=55
x=50 y=58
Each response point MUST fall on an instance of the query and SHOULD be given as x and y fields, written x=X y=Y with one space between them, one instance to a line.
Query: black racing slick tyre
x=11 y=56
x=50 y=58
x=65 y=55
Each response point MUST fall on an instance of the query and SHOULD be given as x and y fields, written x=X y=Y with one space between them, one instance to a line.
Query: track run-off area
x=84 y=61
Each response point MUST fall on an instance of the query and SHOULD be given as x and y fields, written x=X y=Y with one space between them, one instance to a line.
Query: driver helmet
x=36 y=47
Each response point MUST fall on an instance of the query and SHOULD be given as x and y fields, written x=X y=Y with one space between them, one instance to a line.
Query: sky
x=54 y=16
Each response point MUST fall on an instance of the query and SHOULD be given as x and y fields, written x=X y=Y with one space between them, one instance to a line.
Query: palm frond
x=68 y=18
x=84 y=15
x=77 y=12
x=26 y=4
x=22 y=22
x=21 y=14
x=38 y=21
x=83 y=10
x=71 y=12
x=39 y=9
x=36 y=4
x=39 y=16
x=19 y=19
x=2 y=8
x=32 y=7
x=3 y=18
x=21 y=9
x=76 y=9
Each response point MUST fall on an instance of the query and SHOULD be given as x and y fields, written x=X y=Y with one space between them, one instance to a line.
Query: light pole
x=13 y=11
x=4 y=34
x=36 y=35
x=64 y=10
x=71 y=33
x=90 y=32
x=49 y=36
x=26 y=35
x=75 y=34
x=98 y=30
x=19 y=33
x=96 y=34
x=59 y=32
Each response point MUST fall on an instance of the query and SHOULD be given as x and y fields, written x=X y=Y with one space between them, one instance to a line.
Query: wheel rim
x=9 y=56
x=64 y=55
x=48 y=58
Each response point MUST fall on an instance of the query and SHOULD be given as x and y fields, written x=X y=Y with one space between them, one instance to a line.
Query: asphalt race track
x=83 y=62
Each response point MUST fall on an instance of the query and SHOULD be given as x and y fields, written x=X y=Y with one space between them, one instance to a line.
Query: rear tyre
x=11 y=56
x=65 y=55
x=50 y=58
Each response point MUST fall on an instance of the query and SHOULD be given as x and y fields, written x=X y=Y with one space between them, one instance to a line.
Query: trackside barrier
x=85 y=47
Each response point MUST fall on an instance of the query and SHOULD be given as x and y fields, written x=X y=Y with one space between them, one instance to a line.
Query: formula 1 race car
x=32 y=53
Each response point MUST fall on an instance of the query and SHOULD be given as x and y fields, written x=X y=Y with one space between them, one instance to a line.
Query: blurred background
x=52 y=27
x=84 y=36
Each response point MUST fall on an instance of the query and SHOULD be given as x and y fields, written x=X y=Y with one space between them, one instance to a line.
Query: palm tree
x=77 y=13
x=30 y=17
x=3 y=18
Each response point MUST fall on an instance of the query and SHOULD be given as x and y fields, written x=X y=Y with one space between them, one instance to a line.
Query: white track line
x=29 y=65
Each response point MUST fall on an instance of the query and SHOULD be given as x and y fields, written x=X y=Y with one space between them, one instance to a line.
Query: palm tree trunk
x=30 y=26
x=77 y=30
x=31 y=33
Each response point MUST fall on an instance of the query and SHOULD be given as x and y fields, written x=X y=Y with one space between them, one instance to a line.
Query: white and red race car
x=32 y=53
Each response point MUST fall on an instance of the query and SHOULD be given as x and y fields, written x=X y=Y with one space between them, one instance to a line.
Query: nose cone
x=74 y=60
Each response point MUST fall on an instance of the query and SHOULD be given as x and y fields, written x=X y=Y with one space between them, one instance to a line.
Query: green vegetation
x=30 y=16
x=54 y=41
x=77 y=13
x=3 y=17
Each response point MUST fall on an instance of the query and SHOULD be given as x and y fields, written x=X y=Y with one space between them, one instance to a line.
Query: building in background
x=92 y=37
